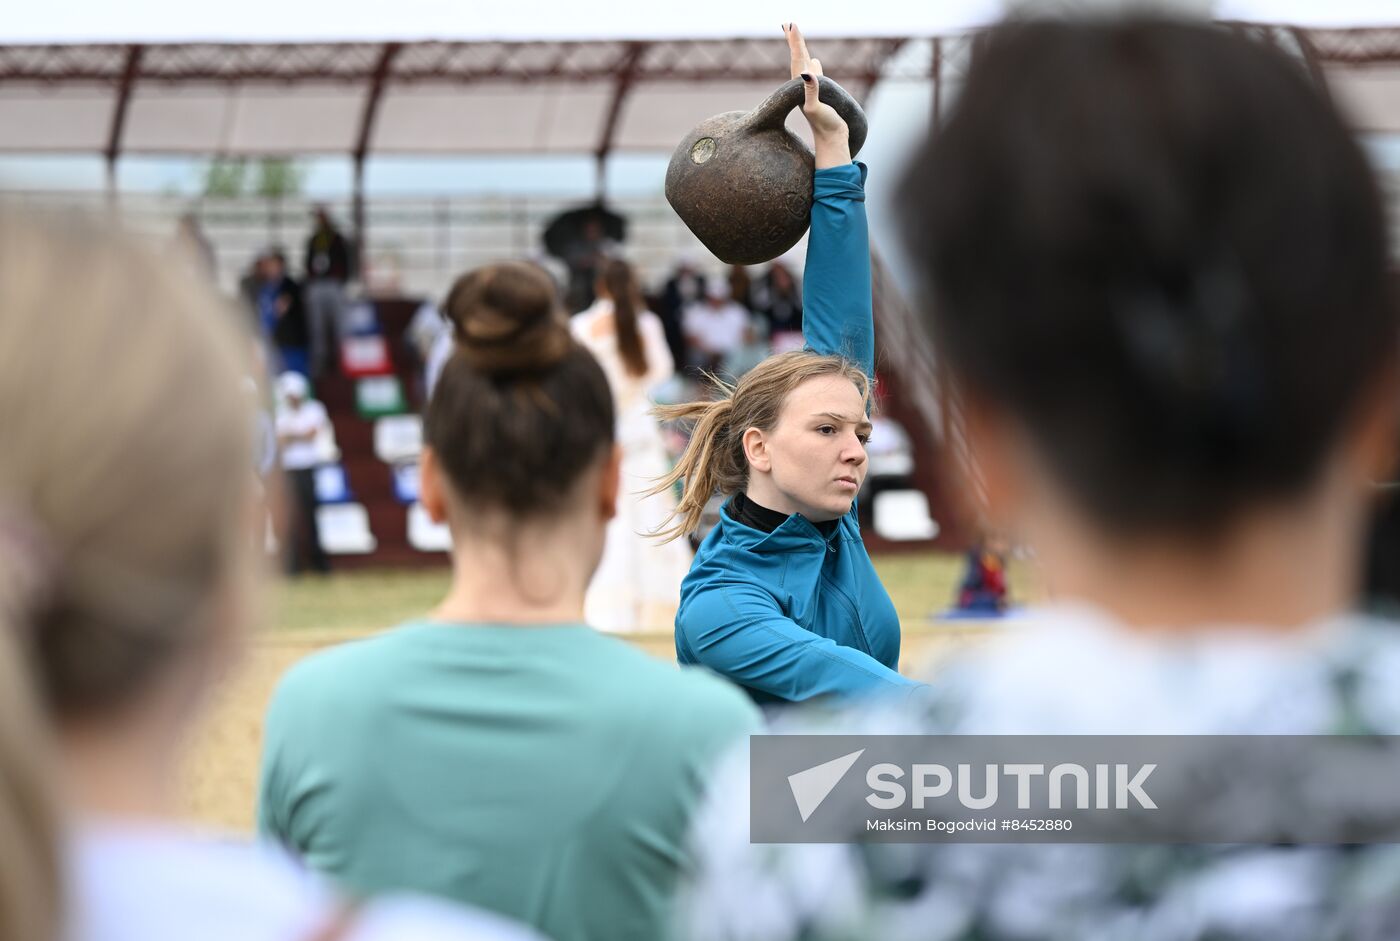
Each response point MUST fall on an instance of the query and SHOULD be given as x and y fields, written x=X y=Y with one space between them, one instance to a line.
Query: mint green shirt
x=547 y=773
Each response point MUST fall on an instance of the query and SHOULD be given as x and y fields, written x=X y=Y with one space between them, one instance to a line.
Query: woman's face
x=814 y=457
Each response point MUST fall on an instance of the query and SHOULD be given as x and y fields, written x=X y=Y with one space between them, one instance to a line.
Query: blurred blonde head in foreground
x=124 y=547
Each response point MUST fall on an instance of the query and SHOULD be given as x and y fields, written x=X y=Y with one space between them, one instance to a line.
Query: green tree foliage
x=271 y=177
x=225 y=178
x=278 y=178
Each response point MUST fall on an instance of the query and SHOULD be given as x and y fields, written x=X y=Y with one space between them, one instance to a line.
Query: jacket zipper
x=840 y=592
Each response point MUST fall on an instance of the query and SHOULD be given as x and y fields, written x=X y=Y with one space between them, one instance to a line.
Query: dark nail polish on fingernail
x=806 y=77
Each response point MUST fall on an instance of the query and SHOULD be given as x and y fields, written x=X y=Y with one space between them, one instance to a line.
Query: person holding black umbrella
x=583 y=239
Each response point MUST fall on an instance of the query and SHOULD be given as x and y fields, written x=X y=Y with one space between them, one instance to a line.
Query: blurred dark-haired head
x=1154 y=247
x=522 y=412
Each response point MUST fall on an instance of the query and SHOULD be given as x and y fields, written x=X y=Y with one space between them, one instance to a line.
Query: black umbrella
x=567 y=234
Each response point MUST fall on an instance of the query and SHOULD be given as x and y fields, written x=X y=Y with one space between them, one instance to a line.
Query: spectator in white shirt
x=301 y=423
x=716 y=326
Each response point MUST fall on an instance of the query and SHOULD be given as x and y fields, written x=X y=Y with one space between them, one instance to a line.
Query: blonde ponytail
x=708 y=466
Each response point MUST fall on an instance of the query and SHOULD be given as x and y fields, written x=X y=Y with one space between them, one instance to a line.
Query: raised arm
x=838 y=313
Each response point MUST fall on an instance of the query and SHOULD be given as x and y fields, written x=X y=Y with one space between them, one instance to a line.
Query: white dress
x=637 y=585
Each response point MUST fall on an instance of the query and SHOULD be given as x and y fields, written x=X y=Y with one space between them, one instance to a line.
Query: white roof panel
x=178 y=119
x=317 y=119
x=657 y=115
x=491 y=117
x=213 y=118
x=55 y=118
x=1370 y=96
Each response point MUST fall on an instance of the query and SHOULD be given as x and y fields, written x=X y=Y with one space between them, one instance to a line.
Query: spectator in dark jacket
x=276 y=302
x=329 y=265
x=777 y=297
x=685 y=286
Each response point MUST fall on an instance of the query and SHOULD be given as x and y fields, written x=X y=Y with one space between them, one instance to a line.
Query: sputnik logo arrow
x=811 y=787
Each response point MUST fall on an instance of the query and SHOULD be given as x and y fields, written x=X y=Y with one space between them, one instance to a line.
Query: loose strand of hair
x=696 y=468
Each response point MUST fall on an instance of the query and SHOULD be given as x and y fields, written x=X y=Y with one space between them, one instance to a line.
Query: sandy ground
x=221 y=774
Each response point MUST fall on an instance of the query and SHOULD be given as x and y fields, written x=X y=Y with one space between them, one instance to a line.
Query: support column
x=626 y=75
x=371 y=109
x=118 y=125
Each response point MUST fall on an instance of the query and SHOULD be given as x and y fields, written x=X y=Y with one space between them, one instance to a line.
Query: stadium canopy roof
x=476 y=97
x=522 y=77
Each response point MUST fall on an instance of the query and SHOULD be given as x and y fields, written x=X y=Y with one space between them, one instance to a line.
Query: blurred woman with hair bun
x=498 y=751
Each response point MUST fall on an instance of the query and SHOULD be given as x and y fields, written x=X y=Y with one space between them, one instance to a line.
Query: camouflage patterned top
x=1072 y=671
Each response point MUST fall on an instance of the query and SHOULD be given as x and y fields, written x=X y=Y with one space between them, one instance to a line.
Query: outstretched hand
x=829 y=131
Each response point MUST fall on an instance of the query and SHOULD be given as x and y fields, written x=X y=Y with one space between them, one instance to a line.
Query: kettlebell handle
x=774 y=110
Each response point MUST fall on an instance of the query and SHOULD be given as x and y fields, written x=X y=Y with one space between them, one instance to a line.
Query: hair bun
x=506 y=320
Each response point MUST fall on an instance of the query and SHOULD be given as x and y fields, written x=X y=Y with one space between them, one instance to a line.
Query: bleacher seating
x=377 y=396
x=398 y=439
x=903 y=516
x=365 y=356
x=345 y=529
x=406 y=483
x=425 y=535
x=332 y=485
x=374 y=405
x=379 y=445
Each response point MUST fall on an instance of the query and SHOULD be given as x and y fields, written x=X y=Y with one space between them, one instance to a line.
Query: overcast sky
x=274 y=20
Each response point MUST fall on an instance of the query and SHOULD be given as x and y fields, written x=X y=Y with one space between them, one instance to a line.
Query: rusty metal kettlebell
x=742 y=182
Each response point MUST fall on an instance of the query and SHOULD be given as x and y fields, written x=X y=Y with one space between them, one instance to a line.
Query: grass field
x=312 y=613
x=919 y=584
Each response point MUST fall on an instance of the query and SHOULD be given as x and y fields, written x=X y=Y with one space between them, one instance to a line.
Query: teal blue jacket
x=792 y=614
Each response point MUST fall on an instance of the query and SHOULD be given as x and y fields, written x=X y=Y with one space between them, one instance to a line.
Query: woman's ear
x=1375 y=431
x=431 y=489
x=609 y=483
x=992 y=464
x=756 y=450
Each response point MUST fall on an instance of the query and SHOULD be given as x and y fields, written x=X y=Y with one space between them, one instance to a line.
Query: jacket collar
x=796 y=534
